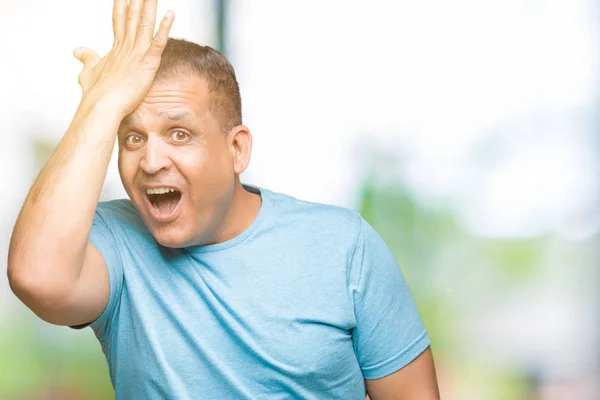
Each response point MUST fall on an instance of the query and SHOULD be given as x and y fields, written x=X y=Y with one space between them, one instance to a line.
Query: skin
x=167 y=137
x=416 y=381
x=172 y=140
x=52 y=267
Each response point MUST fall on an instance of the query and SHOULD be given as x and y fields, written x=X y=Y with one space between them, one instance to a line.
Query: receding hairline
x=182 y=59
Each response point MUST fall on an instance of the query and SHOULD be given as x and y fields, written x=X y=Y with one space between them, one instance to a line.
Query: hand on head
x=122 y=77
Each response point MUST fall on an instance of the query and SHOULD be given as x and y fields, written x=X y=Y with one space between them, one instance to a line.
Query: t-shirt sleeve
x=104 y=241
x=389 y=332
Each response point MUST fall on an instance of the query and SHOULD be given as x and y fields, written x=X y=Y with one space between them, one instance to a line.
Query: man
x=199 y=286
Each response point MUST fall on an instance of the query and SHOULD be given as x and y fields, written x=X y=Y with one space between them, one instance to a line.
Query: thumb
x=88 y=57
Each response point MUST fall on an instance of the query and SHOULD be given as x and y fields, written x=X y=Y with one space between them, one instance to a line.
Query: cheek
x=206 y=164
x=193 y=160
x=128 y=165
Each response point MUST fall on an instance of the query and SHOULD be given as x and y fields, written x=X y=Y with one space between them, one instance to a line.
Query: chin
x=170 y=237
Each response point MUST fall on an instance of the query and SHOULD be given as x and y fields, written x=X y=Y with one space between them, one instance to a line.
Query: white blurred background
x=466 y=132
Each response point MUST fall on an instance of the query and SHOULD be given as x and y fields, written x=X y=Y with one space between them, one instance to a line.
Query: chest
x=267 y=324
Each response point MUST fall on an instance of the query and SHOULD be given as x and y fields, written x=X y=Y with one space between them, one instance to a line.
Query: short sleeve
x=104 y=241
x=389 y=332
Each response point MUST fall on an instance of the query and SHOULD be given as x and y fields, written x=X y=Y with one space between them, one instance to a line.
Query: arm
x=390 y=340
x=415 y=381
x=52 y=267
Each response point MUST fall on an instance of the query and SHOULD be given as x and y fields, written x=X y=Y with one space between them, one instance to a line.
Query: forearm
x=48 y=246
x=51 y=233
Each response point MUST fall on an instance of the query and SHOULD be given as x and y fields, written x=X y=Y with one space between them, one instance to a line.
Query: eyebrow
x=177 y=116
x=128 y=119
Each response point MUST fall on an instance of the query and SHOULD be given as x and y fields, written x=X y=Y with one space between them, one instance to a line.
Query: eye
x=134 y=140
x=180 y=136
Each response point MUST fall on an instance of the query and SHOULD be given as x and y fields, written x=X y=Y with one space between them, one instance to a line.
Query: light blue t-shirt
x=304 y=304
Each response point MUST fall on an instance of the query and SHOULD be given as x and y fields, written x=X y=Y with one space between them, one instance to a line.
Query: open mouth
x=163 y=201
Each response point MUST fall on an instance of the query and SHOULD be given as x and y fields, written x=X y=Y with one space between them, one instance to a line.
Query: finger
x=118 y=19
x=162 y=35
x=147 y=21
x=133 y=16
x=88 y=57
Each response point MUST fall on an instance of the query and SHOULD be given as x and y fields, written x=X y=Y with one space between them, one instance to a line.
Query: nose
x=156 y=156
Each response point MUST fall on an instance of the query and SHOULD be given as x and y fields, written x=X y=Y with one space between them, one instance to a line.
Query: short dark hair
x=181 y=57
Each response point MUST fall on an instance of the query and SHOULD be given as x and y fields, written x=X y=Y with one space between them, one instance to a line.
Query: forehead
x=177 y=99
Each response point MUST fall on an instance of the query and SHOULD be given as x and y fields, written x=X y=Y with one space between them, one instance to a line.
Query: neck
x=242 y=212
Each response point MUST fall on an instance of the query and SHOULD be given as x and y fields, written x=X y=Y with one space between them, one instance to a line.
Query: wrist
x=96 y=122
x=91 y=106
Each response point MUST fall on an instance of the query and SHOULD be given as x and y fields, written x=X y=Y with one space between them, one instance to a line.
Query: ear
x=239 y=140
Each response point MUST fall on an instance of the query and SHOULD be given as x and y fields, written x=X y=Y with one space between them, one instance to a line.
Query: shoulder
x=119 y=215
x=116 y=208
x=333 y=229
x=329 y=220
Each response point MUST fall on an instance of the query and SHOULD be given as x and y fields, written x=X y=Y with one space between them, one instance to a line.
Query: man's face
x=176 y=164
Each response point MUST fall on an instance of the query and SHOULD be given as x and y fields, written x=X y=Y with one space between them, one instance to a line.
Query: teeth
x=159 y=190
x=155 y=207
